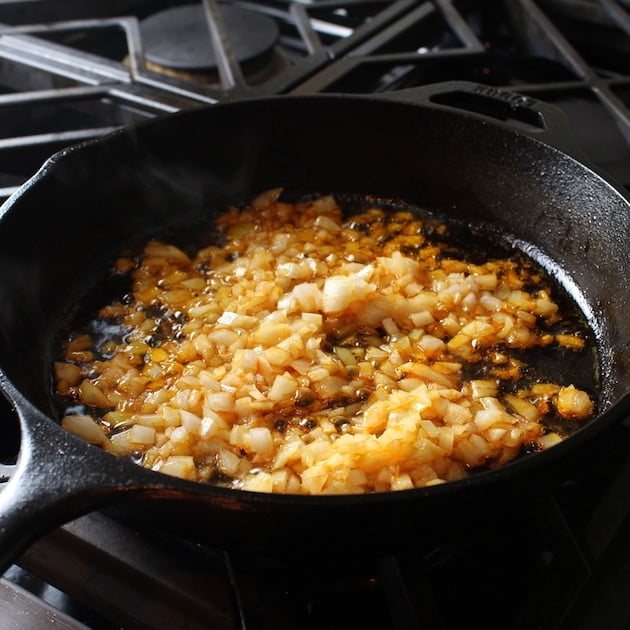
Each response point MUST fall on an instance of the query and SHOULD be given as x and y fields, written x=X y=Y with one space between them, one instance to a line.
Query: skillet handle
x=537 y=119
x=57 y=478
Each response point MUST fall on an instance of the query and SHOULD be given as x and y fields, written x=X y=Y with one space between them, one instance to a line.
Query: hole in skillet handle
x=6 y=472
x=518 y=112
x=56 y=477
x=10 y=443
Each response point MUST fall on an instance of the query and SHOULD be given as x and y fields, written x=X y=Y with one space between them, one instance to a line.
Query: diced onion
x=315 y=353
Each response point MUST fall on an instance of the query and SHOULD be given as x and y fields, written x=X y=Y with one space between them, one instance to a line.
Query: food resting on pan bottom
x=326 y=345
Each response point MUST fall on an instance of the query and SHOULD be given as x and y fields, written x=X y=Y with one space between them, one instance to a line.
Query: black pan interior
x=59 y=233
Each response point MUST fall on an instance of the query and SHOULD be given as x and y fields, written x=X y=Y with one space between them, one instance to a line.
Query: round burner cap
x=179 y=38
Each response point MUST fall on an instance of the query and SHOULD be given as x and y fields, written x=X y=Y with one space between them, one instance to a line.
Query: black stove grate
x=74 y=72
x=545 y=49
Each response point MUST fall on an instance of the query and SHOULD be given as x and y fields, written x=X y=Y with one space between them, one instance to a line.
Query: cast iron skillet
x=473 y=152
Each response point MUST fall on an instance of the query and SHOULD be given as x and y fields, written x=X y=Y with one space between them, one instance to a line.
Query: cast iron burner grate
x=550 y=50
x=74 y=71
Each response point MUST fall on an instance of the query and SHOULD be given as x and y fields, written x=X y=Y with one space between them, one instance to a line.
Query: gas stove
x=74 y=71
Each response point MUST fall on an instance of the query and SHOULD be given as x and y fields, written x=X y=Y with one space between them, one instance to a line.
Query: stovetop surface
x=74 y=70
